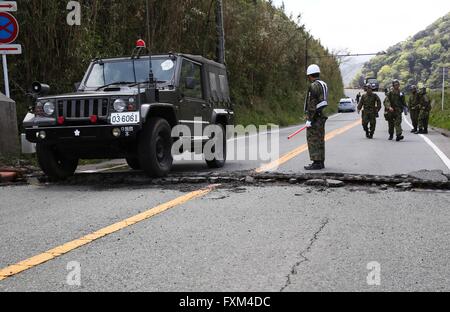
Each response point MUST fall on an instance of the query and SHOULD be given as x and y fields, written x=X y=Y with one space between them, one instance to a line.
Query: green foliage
x=265 y=48
x=416 y=60
x=439 y=118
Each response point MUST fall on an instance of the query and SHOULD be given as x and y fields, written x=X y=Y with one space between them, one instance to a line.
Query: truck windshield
x=130 y=71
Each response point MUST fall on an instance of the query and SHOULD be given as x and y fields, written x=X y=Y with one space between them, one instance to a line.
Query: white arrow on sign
x=8 y=6
x=6 y=49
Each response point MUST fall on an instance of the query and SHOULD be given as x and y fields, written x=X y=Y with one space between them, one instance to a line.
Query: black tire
x=220 y=162
x=155 y=148
x=133 y=163
x=56 y=166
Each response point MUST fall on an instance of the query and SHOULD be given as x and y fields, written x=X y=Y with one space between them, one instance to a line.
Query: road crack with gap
x=302 y=255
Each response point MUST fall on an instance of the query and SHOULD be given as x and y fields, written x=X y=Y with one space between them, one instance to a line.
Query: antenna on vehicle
x=220 y=50
x=151 y=78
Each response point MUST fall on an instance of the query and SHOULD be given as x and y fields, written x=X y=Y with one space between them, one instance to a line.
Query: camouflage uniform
x=317 y=95
x=371 y=104
x=414 y=109
x=424 y=114
x=397 y=101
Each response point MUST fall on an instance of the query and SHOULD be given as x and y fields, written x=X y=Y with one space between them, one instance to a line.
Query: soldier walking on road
x=424 y=114
x=370 y=103
x=316 y=102
x=395 y=105
x=414 y=108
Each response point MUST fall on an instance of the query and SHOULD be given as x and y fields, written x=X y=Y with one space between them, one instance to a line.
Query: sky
x=365 y=26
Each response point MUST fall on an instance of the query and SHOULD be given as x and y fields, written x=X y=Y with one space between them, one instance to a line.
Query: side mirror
x=190 y=83
x=77 y=86
x=40 y=88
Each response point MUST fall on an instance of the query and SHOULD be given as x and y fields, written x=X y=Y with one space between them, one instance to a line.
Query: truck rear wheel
x=219 y=160
x=55 y=165
x=155 y=148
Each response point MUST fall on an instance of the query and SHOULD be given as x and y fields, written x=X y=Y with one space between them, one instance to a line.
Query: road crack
x=302 y=254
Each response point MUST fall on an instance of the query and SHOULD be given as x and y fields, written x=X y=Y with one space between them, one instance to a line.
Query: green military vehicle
x=120 y=111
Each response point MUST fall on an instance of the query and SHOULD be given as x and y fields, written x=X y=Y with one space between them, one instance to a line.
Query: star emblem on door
x=77 y=133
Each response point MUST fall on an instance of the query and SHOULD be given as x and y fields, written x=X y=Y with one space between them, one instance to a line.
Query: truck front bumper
x=73 y=134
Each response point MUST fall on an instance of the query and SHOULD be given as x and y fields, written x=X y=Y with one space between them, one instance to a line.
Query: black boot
x=391 y=137
x=400 y=138
x=317 y=165
x=371 y=134
x=421 y=131
x=414 y=130
x=367 y=134
x=425 y=131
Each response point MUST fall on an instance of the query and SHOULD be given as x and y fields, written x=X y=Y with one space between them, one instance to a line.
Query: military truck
x=373 y=82
x=120 y=111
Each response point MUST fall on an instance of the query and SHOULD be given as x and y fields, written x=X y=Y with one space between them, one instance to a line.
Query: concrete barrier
x=9 y=135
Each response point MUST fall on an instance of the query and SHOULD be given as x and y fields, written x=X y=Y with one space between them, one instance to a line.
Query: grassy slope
x=439 y=118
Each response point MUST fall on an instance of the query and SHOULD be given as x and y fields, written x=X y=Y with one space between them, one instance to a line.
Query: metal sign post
x=9 y=31
x=5 y=75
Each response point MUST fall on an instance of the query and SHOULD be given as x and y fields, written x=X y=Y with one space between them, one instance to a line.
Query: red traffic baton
x=297 y=132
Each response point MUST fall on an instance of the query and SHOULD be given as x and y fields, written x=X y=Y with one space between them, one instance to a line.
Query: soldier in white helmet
x=316 y=102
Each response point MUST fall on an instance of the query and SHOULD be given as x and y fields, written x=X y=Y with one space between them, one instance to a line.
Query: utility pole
x=306 y=53
x=220 y=49
x=443 y=87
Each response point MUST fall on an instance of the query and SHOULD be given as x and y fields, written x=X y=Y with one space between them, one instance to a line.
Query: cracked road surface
x=228 y=238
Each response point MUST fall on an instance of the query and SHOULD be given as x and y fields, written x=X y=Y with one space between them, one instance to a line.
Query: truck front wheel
x=55 y=165
x=155 y=148
x=133 y=163
x=220 y=154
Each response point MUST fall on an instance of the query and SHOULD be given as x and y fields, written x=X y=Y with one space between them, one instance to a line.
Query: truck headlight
x=120 y=105
x=49 y=108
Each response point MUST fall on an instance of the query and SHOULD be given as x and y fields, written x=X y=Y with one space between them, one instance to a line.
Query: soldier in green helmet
x=395 y=105
x=414 y=108
x=370 y=105
x=424 y=114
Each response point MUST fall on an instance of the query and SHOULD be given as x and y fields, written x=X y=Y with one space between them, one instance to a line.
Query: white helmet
x=313 y=69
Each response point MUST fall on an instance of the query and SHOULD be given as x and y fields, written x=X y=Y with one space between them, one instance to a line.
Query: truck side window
x=191 y=80
x=213 y=84
x=224 y=86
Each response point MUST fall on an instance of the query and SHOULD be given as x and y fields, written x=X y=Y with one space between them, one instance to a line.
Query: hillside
x=419 y=59
x=265 y=48
x=351 y=67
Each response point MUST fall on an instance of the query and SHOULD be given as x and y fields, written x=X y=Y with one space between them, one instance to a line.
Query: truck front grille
x=83 y=108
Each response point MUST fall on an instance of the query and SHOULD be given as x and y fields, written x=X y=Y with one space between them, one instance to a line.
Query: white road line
x=105 y=169
x=436 y=149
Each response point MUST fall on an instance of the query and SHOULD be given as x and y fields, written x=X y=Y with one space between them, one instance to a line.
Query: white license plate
x=125 y=118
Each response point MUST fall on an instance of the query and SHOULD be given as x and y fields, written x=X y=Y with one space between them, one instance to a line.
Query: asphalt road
x=247 y=238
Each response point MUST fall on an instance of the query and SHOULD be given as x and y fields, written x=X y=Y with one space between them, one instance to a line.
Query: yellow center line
x=303 y=148
x=70 y=246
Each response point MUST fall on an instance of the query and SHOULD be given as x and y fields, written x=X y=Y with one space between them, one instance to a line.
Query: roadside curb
x=444 y=132
x=12 y=175
x=8 y=176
